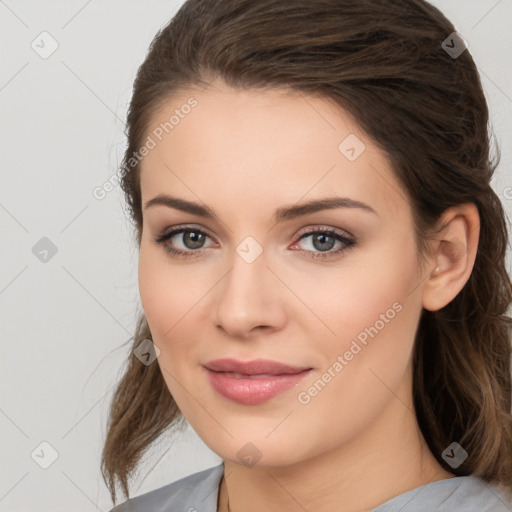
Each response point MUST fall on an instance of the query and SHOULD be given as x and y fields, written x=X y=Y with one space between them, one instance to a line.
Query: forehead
x=256 y=146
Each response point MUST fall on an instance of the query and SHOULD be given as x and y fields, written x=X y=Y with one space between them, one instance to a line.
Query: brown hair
x=383 y=62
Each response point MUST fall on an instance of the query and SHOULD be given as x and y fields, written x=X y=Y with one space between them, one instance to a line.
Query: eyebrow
x=282 y=214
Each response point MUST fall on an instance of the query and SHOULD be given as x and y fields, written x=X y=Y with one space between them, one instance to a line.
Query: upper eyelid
x=325 y=228
x=176 y=230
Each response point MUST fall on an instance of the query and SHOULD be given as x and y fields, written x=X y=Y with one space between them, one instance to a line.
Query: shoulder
x=194 y=493
x=457 y=494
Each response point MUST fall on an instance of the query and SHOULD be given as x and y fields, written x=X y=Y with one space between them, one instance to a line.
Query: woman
x=321 y=263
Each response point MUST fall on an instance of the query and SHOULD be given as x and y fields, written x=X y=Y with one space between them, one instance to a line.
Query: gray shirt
x=198 y=493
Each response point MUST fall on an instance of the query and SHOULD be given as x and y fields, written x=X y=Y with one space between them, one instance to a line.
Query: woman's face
x=342 y=302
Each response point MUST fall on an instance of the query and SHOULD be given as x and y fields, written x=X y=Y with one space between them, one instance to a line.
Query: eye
x=183 y=241
x=324 y=241
x=188 y=241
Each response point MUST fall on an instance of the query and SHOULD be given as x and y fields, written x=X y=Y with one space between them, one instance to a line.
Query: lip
x=254 y=367
x=253 y=382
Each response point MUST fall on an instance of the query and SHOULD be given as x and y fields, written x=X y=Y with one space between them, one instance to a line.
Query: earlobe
x=453 y=256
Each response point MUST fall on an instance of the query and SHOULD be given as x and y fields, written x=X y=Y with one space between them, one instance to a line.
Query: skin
x=244 y=153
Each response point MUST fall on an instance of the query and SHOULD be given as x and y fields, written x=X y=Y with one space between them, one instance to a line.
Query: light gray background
x=63 y=322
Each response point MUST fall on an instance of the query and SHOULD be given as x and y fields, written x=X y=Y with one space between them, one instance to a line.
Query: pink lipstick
x=253 y=382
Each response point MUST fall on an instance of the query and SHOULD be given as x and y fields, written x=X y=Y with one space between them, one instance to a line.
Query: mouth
x=253 y=382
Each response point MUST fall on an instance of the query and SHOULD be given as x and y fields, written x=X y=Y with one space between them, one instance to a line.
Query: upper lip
x=254 y=367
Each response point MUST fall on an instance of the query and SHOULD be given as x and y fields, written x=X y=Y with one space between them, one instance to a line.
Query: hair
x=383 y=62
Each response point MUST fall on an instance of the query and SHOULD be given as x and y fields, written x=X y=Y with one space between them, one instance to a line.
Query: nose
x=248 y=300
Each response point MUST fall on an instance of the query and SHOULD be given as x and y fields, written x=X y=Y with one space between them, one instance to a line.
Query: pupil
x=193 y=240
x=326 y=242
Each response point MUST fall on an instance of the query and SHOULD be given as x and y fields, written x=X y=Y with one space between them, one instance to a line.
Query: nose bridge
x=245 y=282
x=248 y=268
x=247 y=297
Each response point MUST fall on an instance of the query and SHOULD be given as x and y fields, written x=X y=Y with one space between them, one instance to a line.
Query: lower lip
x=255 y=390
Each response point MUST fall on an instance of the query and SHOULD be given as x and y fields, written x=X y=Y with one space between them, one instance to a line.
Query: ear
x=453 y=256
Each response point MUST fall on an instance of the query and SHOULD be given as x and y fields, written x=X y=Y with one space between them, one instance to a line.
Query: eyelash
x=348 y=242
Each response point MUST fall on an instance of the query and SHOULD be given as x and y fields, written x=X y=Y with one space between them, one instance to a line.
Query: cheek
x=158 y=296
x=363 y=293
x=365 y=364
x=167 y=291
x=168 y=295
x=164 y=296
x=372 y=314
